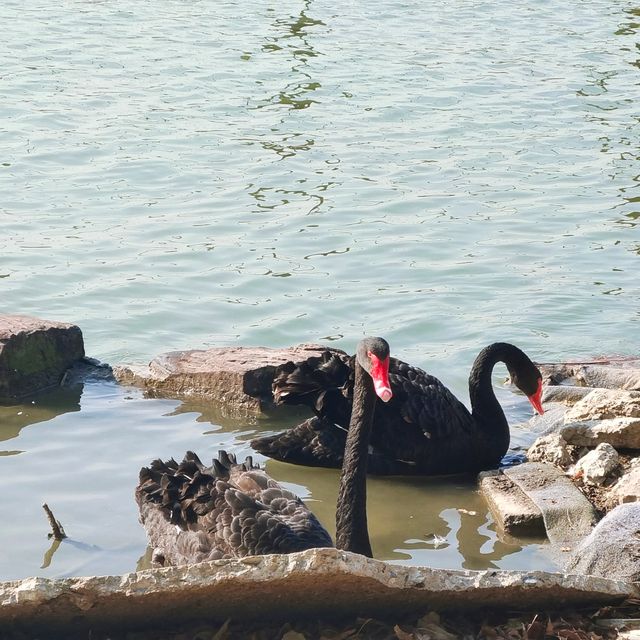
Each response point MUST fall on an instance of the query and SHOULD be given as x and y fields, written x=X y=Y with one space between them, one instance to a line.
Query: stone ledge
x=239 y=378
x=317 y=582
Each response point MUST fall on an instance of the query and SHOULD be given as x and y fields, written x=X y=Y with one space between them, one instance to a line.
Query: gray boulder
x=612 y=549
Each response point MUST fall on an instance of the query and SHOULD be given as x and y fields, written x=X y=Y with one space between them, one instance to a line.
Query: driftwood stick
x=56 y=528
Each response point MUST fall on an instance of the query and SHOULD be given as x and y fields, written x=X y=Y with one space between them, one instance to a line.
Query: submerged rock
x=239 y=378
x=613 y=547
x=35 y=354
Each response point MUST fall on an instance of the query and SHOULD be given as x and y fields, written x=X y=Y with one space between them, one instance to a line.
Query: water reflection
x=438 y=522
x=40 y=408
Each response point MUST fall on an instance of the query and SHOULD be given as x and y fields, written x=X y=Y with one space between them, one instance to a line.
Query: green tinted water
x=183 y=175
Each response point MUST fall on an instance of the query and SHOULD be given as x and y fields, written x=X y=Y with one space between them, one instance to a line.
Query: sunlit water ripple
x=183 y=175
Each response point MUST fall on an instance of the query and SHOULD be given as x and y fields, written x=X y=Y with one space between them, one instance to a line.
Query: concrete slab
x=317 y=582
x=513 y=512
x=568 y=515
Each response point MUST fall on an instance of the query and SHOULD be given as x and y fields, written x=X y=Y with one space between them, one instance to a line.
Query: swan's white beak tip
x=384 y=393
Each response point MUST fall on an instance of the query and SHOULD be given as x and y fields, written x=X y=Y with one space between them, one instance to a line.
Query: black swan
x=194 y=513
x=423 y=430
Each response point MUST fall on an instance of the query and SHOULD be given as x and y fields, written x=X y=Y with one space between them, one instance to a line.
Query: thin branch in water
x=56 y=528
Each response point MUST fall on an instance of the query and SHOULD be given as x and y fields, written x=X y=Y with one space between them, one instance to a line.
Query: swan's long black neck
x=352 y=533
x=486 y=409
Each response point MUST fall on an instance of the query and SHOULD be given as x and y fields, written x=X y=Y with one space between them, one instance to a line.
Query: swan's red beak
x=380 y=375
x=536 y=398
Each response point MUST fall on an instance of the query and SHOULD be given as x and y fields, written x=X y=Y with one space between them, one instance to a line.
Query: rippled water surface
x=189 y=174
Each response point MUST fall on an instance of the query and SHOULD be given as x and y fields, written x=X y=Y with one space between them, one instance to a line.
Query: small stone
x=552 y=448
x=627 y=489
x=598 y=465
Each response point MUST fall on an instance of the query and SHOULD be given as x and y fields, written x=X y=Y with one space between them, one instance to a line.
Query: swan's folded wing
x=275 y=521
x=316 y=442
x=423 y=401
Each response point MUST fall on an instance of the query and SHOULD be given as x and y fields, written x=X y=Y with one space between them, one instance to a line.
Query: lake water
x=191 y=174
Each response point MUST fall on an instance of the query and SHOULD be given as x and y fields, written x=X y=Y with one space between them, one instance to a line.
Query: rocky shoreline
x=580 y=486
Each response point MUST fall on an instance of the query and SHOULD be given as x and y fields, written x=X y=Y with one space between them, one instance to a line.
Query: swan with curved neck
x=423 y=430
x=194 y=513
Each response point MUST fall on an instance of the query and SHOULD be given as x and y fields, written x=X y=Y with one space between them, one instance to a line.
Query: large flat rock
x=35 y=354
x=239 y=378
x=317 y=582
x=612 y=373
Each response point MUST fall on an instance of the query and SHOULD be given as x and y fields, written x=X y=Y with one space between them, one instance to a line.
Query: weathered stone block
x=614 y=373
x=239 y=378
x=34 y=354
x=567 y=394
x=613 y=547
x=317 y=582
x=512 y=510
x=568 y=515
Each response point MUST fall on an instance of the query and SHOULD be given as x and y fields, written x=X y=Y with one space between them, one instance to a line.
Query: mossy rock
x=35 y=354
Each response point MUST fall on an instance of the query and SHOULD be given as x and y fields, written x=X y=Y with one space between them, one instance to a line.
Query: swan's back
x=193 y=513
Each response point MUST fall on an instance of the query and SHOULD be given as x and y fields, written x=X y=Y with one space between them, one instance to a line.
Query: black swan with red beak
x=423 y=430
x=193 y=513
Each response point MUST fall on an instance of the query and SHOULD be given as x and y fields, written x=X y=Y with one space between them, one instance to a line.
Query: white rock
x=627 y=489
x=598 y=465
x=621 y=433
x=552 y=448
x=601 y=404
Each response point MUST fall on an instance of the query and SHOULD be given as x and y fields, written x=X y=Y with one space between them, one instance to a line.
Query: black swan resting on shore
x=194 y=513
x=423 y=430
